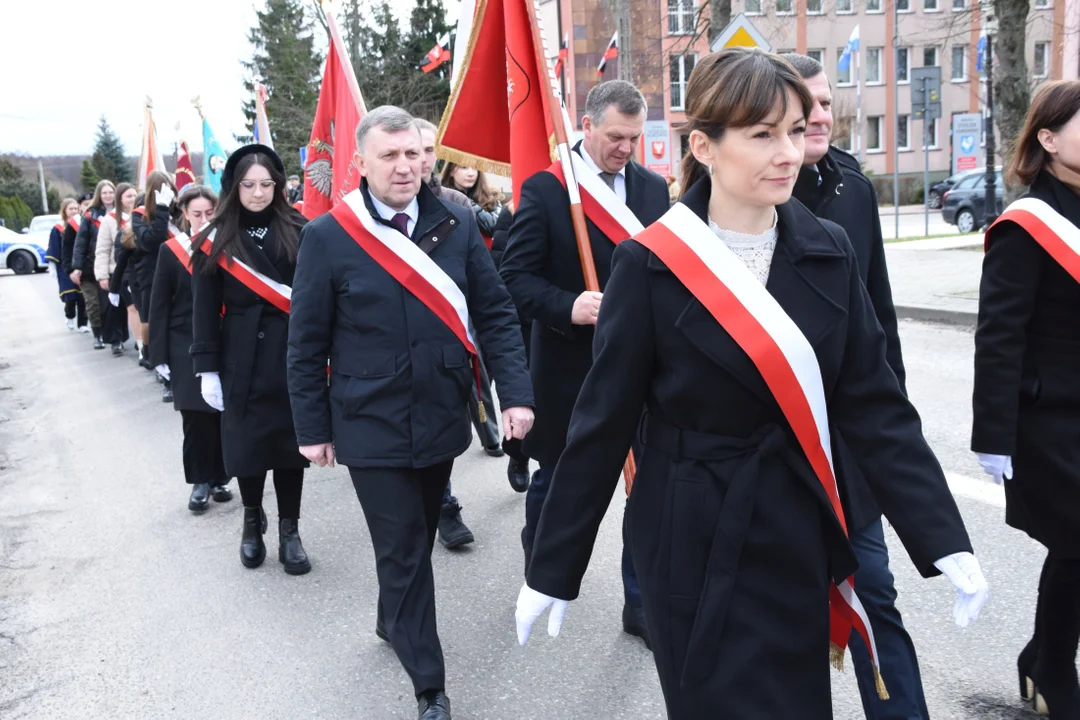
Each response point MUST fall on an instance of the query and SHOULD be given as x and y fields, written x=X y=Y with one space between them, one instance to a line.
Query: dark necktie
x=401 y=222
x=608 y=178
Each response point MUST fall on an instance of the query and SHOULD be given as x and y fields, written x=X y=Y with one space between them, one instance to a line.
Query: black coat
x=149 y=237
x=248 y=347
x=1027 y=376
x=542 y=270
x=400 y=379
x=84 y=243
x=171 y=333
x=847 y=197
x=777 y=540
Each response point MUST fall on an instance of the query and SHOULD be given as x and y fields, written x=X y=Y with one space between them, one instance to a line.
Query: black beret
x=236 y=157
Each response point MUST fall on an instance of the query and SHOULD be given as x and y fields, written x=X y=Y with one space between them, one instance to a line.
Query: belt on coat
x=248 y=321
x=732 y=522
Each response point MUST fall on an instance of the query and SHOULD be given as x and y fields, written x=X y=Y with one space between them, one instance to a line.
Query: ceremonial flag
x=185 y=174
x=437 y=55
x=330 y=173
x=611 y=53
x=852 y=46
x=213 y=158
x=564 y=53
x=501 y=52
x=981 y=47
x=150 y=155
x=261 y=131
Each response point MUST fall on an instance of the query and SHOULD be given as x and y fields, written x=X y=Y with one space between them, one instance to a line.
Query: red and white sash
x=784 y=357
x=96 y=221
x=1057 y=236
x=74 y=222
x=277 y=294
x=601 y=204
x=59 y=227
x=410 y=266
x=180 y=245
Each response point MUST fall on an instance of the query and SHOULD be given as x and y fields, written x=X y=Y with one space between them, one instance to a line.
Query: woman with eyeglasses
x=243 y=263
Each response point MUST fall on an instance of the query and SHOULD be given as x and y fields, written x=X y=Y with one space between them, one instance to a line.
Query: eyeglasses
x=249 y=185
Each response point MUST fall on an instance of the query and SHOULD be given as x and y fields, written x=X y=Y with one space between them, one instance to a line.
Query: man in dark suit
x=395 y=410
x=542 y=271
x=833 y=187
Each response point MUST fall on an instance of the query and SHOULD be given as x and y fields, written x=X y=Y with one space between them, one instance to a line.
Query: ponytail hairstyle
x=736 y=88
x=127 y=237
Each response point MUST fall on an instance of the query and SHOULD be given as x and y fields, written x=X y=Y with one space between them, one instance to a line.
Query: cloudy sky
x=67 y=62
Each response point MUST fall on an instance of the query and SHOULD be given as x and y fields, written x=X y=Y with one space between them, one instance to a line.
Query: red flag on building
x=502 y=52
x=564 y=53
x=611 y=53
x=331 y=172
x=437 y=55
x=185 y=174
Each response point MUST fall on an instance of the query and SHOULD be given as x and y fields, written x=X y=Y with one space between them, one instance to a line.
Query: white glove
x=999 y=466
x=211 y=391
x=530 y=606
x=972 y=591
x=114 y=299
x=163 y=371
x=165 y=196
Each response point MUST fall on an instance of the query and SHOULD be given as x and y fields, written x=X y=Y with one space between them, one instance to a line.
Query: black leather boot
x=290 y=550
x=252 y=547
x=517 y=472
x=1056 y=685
x=200 y=498
x=433 y=705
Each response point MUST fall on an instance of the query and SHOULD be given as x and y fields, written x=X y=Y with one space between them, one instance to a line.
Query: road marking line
x=976 y=489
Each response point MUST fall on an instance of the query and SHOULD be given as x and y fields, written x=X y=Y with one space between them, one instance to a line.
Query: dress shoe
x=517 y=472
x=452 y=531
x=252 y=547
x=380 y=628
x=117 y=349
x=433 y=706
x=290 y=550
x=494 y=450
x=200 y=498
x=1024 y=665
x=144 y=357
x=99 y=344
x=166 y=392
x=221 y=494
x=633 y=623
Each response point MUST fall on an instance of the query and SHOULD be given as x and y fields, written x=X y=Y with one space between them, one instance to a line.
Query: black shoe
x=290 y=550
x=166 y=392
x=145 y=363
x=118 y=349
x=99 y=344
x=452 y=532
x=433 y=705
x=252 y=547
x=517 y=472
x=200 y=498
x=1024 y=665
x=633 y=623
x=494 y=450
x=380 y=627
x=144 y=358
x=222 y=494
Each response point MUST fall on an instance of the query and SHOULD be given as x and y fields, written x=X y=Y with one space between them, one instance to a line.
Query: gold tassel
x=836 y=656
x=879 y=682
x=481 y=412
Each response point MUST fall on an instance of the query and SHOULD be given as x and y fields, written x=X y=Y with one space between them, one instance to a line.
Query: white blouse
x=756 y=251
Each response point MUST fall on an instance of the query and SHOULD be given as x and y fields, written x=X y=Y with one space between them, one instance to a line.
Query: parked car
x=23 y=252
x=938 y=190
x=965 y=204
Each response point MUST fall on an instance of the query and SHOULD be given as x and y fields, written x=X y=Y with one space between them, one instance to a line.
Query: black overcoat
x=400 y=380
x=84 y=243
x=542 y=270
x=1027 y=376
x=247 y=346
x=733 y=537
x=150 y=235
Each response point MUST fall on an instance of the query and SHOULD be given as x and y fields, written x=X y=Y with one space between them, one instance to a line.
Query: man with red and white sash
x=396 y=289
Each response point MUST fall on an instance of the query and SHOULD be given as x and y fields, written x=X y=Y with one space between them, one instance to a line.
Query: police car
x=25 y=253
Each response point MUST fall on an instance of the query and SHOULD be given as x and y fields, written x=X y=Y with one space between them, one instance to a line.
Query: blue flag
x=852 y=46
x=213 y=158
x=982 y=54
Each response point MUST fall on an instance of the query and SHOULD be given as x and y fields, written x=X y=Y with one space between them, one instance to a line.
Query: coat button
x=262 y=335
x=414 y=343
x=453 y=221
x=434 y=239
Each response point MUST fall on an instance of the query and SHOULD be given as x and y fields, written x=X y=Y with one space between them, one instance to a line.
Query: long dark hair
x=285 y=223
x=737 y=88
x=1054 y=105
x=480 y=193
x=154 y=183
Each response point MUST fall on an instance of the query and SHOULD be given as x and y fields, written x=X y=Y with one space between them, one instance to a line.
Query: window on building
x=932 y=129
x=930 y=6
x=903 y=65
x=753 y=7
x=1042 y=54
x=903 y=5
x=681 y=17
x=843 y=133
x=844 y=77
x=816 y=54
x=873 y=66
x=813 y=7
x=958 y=5
x=1042 y=4
x=680 y=68
x=873 y=6
x=929 y=56
x=784 y=7
x=959 y=63
x=844 y=6
x=875 y=133
x=903 y=138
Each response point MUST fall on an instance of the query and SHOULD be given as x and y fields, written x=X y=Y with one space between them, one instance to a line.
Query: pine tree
x=432 y=90
x=285 y=61
x=109 y=160
x=88 y=176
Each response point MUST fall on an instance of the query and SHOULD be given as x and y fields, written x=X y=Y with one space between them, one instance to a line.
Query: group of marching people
x=741 y=349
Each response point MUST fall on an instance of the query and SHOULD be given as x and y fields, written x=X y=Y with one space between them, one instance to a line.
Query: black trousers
x=288 y=484
x=402 y=510
x=202 y=448
x=115 y=318
x=75 y=306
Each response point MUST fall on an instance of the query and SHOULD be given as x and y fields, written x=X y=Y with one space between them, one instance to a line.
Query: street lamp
x=990 y=27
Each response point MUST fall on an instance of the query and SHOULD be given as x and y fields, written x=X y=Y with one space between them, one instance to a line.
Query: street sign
x=967 y=138
x=926 y=93
x=657 y=145
x=740 y=32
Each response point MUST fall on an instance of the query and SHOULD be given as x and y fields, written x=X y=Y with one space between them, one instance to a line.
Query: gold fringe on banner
x=836 y=659
x=474 y=161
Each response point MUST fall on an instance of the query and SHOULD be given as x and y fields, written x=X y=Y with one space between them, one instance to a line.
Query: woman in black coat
x=151 y=225
x=1027 y=383
x=733 y=536
x=170 y=310
x=240 y=340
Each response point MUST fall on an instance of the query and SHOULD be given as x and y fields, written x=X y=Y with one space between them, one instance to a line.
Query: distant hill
x=67 y=168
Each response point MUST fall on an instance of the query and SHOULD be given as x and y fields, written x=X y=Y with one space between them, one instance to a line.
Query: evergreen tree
x=109 y=160
x=88 y=176
x=432 y=90
x=285 y=61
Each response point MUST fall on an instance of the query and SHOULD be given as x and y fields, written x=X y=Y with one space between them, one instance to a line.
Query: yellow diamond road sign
x=740 y=32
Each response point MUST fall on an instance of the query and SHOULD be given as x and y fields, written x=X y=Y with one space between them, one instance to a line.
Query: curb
x=943 y=316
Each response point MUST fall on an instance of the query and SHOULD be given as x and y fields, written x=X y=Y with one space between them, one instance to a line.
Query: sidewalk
x=937 y=280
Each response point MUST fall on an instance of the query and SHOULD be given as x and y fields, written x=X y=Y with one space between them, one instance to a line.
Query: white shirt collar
x=387 y=213
x=596 y=168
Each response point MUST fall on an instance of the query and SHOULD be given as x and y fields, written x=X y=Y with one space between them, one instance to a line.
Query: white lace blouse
x=756 y=251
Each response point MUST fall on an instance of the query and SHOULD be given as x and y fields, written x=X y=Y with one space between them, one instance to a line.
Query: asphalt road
x=116 y=602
